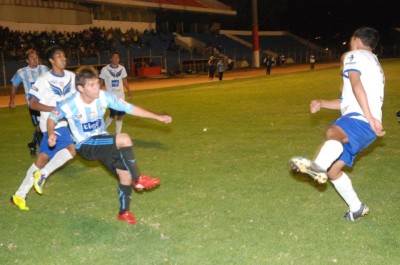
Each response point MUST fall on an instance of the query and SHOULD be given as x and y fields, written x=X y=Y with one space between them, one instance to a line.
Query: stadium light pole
x=256 y=49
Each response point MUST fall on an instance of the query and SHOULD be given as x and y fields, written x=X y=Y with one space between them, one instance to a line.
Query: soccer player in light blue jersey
x=358 y=126
x=85 y=114
x=28 y=76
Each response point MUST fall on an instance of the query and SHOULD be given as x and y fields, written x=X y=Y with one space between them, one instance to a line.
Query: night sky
x=324 y=22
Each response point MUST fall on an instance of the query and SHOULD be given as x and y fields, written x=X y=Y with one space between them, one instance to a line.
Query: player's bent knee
x=123 y=140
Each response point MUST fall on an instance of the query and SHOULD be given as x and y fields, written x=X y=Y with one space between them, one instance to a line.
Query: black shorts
x=103 y=148
x=34 y=116
x=114 y=112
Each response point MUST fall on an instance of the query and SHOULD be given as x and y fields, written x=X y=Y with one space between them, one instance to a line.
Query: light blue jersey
x=87 y=120
x=28 y=76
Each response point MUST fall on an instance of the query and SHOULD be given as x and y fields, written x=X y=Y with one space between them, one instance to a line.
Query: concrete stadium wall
x=43 y=15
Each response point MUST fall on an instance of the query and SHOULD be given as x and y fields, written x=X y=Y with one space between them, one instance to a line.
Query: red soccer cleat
x=127 y=217
x=146 y=182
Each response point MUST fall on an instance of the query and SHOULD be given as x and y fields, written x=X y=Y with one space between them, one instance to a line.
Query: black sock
x=125 y=197
x=37 y=138
x=129 y=159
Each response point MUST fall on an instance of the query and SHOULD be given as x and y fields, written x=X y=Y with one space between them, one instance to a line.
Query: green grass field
x=227 y=194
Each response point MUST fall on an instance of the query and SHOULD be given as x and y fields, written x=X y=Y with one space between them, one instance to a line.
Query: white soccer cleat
x=309 y=167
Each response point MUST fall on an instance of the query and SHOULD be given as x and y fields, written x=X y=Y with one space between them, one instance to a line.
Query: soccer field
x=227 y=195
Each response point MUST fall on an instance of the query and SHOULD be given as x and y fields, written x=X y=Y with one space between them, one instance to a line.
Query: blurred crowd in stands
x=88 y=42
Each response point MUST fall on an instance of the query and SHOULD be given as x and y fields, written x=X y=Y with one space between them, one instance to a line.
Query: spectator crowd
x=88 y=42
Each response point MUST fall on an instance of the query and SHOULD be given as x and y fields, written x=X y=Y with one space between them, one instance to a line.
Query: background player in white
x=27 y=76
x=115 y=78
x=360 y=122
x=49 y=89
x=85 y=114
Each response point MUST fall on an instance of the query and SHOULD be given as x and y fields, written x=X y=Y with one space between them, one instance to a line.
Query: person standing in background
x=114 y=76
x=221 y=69
x=312 y=61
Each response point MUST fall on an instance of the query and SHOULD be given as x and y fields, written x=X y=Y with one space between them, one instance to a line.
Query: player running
x=360 y=122
x=50 y=88
x=28 y=76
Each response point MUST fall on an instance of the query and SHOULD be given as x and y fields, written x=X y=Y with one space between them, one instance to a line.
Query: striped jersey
x=112 y=77
x=87 y=120
x=28 y=76
x=50 y=89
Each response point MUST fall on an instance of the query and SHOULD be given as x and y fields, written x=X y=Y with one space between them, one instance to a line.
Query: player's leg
x=109 y=118
x=19 y=198
x=104 y=149
x=329 y=153
x=118 y=122
x=37 y=134
x=63 y=151
x=125 y=196
x=125 y=147
x=344 y=187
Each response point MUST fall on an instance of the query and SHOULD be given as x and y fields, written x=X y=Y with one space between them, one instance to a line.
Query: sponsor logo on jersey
x=92 y=125
x=115 y=83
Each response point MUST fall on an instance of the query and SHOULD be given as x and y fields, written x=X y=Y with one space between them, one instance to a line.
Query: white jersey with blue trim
x=87 y=120
x=112 y=77
x=28 y=76
x=50 y=89
x=372 y=78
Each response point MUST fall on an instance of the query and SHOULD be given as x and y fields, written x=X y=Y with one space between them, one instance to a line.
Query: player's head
x=32 y=58
x=87 y=82
x=368 y=36
x=51 y=52
x=114 y=58
x=56 y=57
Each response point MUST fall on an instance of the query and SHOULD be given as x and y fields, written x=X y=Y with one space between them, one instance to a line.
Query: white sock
x=345 y=189
x=27 y=183
x=108 y=121
x=118 y=126
x=328 y=154
x=59 y=159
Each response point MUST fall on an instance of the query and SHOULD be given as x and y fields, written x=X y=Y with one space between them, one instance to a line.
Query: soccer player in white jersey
x=27 y=76
x=115 y=78
x=50 y=88
x=85 y=114
x=358 y=126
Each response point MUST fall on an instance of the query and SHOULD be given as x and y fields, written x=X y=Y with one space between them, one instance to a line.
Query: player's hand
x=377 y=127
x=12 y=105
x=165 y=118
x=52 y=140
x=130 y=94
x=315 y=106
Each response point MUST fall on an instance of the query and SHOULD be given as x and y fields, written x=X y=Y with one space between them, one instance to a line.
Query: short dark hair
x=113 y=52
x=83 y=73
x=369 y=36
x=51 y=51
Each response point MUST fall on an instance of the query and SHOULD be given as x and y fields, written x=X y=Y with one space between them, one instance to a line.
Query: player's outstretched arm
x=317 y=104
x=140 y=112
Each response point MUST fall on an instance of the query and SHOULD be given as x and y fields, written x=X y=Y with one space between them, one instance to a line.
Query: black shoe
x=32 y=149
x=352 y=216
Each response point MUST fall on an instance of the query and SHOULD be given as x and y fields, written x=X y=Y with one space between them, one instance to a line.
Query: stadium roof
x=196 y=6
